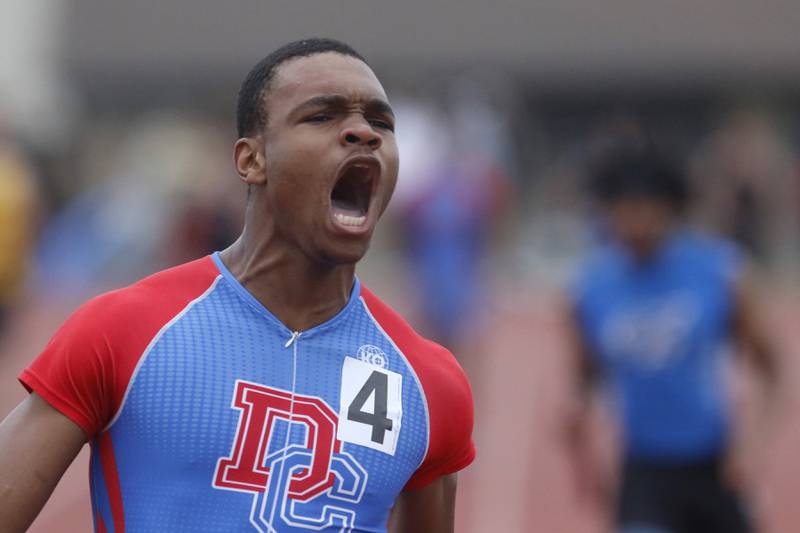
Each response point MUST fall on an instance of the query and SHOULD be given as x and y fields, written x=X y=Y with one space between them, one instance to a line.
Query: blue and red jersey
x=206 y=413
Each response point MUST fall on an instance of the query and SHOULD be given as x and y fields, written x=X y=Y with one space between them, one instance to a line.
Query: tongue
x=346 y=208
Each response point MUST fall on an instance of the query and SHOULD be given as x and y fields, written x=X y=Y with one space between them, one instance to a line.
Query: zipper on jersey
x=293 y=343
x=293 y=338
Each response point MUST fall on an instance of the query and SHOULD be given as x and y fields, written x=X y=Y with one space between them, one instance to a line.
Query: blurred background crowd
x=116 y=127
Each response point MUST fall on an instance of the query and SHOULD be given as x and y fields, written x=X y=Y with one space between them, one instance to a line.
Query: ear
x=249 y=160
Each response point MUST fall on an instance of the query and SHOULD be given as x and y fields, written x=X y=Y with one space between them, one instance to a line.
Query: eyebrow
x=338 y=100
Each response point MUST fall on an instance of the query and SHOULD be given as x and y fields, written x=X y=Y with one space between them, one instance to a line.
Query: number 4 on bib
x=370 y=407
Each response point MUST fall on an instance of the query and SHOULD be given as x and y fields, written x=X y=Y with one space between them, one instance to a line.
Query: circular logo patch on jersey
x=372 y=355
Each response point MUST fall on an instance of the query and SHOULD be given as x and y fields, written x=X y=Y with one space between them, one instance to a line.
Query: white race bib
x=370 y=406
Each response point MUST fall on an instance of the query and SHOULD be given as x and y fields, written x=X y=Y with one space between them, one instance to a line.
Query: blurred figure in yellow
x=17 y=203
x=654 y=311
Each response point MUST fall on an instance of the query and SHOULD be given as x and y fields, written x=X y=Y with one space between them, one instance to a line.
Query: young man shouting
x=261 y=388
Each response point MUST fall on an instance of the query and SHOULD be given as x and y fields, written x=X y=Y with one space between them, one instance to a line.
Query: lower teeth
x=347 y=220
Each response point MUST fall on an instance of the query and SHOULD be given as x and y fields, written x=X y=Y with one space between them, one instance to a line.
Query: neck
x=648 y=252
x=301 y=293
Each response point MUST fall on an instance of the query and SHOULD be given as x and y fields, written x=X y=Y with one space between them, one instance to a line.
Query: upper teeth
x=347 y=220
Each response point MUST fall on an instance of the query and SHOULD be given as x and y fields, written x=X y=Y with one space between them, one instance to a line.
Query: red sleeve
x=447 y=393
x=450 y=408
x=85 y=369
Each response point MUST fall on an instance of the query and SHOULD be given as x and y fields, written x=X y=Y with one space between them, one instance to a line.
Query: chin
x=345 y=254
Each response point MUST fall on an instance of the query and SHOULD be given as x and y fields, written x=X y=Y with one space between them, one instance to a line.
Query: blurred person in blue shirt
x=451 y=194
x=655 y=312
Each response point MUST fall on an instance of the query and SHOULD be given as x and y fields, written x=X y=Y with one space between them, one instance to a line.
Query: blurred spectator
x=653 y=311
x=154 y=210
x=747 y=175
x=450 y=192
x=17 y=206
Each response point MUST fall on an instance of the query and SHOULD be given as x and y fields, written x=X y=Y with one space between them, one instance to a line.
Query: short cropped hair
x=251 y=116
x=640 y=172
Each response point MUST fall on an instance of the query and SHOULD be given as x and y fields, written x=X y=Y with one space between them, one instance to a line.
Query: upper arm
x=749 y=325
x=430 y=509
x=37 y=444
x=746 y=326
x=584 y=365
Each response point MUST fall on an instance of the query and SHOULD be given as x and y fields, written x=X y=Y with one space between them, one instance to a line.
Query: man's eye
x=382 y=124
x=318 y=118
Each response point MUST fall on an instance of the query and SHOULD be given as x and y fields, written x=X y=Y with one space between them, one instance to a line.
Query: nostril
x=351 y=138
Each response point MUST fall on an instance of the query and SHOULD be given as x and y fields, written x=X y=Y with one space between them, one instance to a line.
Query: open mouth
x=352 y=193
